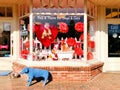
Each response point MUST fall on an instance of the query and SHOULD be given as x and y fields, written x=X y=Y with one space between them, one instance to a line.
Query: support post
x=31 y=30
x=85 y=30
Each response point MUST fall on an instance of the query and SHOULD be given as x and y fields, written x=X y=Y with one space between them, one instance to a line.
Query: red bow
x=3 y=46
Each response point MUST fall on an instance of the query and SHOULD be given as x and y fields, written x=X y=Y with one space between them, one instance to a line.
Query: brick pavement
x=104 y=81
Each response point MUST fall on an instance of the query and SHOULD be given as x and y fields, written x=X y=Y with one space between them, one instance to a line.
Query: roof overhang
x=106 y=3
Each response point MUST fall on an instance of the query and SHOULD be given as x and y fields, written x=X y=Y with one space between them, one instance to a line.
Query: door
x=5 y=30
x=113 y=45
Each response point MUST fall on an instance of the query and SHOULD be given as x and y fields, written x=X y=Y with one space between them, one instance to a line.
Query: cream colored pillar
x=15 y=34
x=101 y=36
x=31 y=30
x=85 y=29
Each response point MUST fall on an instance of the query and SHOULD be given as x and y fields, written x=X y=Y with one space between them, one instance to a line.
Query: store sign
x=54 y=19
x=113 y=28
x=113 y=40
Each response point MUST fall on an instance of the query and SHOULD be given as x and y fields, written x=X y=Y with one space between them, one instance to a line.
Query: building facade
x=96 y=36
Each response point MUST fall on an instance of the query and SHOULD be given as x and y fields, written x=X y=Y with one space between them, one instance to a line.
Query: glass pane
x=119 y=13
x=24 y=38
x=114 y=13
x=113 y=40
x=91 y=54
x=55 y=36
x=2 y=11
x=9 y=12
x=108 y=13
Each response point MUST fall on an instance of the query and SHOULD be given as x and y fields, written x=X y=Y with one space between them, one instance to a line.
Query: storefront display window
x=91 y=40
x=56 y=37
x=58 y=34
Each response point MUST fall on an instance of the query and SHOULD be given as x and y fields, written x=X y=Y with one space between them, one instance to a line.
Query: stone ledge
x=74 y=73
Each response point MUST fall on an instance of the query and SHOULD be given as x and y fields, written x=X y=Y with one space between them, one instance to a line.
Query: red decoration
x=63 y=27
x=46 y=41
x=37 y=27
x=89 y=56
x=91 y=44
x=78 y=44
x=29 y=28
x=27 y=44
x=79 y=26
x=82 y=37
x=62 y=41
x=24 y=53
x=78 y=51
x=71 y=41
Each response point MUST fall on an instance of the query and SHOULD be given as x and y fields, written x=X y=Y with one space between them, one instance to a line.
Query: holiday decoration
x=71 y=41
x=27 y=44
x=53 y=55
x=3 y=46
x=24 y=53
x=62 y=41
x=37 y=27
x=46 y=31
x=82 y=37
x=64 y=46
x=78 y=51
x=46 y=38
x=89 y=55
x=91 y=44
x=78 y=44
x=63 y=27
x=29 y=28
x=79 y=27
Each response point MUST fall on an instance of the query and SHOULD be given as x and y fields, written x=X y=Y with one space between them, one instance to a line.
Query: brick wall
x=81 y=73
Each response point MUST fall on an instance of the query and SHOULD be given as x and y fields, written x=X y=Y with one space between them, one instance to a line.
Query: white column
x=85 y=30
x=31 y=30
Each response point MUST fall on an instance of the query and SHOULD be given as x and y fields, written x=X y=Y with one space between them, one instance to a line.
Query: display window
x=56 y=37
x=58 y=34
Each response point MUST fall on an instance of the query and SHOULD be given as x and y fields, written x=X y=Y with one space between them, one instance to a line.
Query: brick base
x=70 y=73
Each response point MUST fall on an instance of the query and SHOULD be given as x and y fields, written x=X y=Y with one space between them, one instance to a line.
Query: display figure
x=47 y=31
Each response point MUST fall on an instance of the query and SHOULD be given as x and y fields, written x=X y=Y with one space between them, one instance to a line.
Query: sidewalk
x=104 y=81
x=6 y=64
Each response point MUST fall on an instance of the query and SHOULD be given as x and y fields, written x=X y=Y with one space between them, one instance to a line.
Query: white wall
x=110 y=64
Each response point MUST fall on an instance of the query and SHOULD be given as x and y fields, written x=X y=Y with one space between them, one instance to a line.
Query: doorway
x=112 y=50
x=5 y=30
